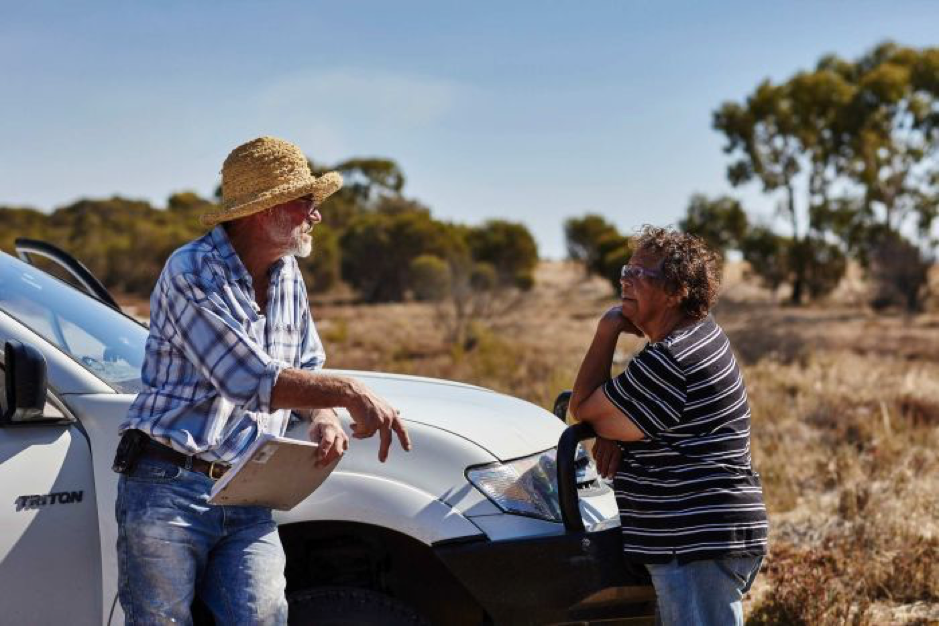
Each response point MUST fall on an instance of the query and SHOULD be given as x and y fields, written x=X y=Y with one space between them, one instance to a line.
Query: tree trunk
x=798 y=279
x=791 y=207
x=798 y=288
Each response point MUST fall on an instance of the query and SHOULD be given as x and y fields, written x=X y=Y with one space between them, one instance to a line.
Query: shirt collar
x=225 y=250
x=238 y=270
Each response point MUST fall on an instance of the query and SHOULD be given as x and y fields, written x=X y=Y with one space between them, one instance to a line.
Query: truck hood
x=508 y=428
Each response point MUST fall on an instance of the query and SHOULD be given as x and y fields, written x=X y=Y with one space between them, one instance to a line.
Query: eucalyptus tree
x=787 y=138
x=890 y=155
x=721 y=222
x=599 y=245
x=894 y=136
x=860 y=139
x=583 y=236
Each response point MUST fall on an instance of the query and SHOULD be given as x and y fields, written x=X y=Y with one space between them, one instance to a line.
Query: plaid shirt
x=212 y=358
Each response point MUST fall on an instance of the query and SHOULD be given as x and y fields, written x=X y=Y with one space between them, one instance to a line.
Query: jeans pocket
x=741 y=569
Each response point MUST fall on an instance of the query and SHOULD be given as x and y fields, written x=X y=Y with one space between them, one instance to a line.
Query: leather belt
x=156 y=450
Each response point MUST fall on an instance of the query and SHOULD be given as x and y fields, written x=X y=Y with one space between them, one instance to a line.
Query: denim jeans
x=173 y=545
x=703 y=593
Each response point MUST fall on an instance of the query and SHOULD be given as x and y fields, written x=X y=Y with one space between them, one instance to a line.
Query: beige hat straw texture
x=266 y=172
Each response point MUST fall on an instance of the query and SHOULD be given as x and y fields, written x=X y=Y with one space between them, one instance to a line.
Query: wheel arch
x=367 y=556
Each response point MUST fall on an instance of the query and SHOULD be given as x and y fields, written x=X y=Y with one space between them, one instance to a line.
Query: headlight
x=525 y=486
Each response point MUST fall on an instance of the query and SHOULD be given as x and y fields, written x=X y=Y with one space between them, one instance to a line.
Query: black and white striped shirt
x=687 y=490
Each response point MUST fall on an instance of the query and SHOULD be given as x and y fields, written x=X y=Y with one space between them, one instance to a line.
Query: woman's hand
x=326 y=430
x=607 y=455
x=614 y=321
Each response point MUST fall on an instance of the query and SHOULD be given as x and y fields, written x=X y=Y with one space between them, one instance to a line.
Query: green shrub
x=429 y=278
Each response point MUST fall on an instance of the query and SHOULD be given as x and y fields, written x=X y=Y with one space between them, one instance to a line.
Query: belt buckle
x=213 y=466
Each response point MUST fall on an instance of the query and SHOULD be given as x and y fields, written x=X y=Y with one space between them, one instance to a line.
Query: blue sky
x=530 y=111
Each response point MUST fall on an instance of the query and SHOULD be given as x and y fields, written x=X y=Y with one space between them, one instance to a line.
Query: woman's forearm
x=595 y=368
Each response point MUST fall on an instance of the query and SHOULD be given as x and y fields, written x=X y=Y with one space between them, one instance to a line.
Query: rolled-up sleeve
x=216 y=344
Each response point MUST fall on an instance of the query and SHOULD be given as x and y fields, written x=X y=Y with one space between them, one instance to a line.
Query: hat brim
x=321 y=188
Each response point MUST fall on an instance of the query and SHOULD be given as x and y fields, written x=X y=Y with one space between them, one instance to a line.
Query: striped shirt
x=687 y=490
x=212 y=358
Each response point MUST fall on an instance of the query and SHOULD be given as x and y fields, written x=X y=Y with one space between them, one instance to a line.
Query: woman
x=674 y=432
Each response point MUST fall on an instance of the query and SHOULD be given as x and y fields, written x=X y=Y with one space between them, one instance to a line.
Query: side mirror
x=560 y=405
x=24 y=395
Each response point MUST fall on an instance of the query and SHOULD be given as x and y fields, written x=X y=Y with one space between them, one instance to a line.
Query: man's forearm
x=311 y=415
x=595 y=369
x=300 y=389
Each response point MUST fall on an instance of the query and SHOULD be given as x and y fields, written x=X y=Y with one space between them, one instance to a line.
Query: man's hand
x=614 y=321
x=370 y=413
x=299 y=389
x=607 y=455
x=326 y=430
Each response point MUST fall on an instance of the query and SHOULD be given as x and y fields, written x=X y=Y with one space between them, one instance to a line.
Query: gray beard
x=300 y=247
x=291 y=239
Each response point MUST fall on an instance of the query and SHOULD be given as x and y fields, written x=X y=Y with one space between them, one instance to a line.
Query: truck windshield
x=107 y=343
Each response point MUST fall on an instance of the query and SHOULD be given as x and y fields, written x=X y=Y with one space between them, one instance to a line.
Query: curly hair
x=687 y=265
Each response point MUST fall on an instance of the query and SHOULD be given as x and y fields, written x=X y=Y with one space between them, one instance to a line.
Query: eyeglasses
x=308 y=202
x=634 y=272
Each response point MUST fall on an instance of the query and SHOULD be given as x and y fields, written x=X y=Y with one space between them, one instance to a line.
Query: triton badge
x=61 y=497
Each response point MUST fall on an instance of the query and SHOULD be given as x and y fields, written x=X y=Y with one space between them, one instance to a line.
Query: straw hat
x=266 y=172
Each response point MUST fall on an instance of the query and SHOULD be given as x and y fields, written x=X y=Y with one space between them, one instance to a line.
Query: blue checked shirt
x=212 y=358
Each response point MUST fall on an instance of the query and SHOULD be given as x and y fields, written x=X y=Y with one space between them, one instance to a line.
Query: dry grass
x=845 y=424
x=533 y=352
x=847 y=446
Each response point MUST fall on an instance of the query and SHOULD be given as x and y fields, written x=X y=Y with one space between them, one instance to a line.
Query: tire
x=349 y=606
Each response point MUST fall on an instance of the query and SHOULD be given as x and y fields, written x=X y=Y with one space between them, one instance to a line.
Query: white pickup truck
x=489 y=520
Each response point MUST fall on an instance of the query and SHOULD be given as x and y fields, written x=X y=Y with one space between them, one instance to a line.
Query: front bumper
x=573 y=578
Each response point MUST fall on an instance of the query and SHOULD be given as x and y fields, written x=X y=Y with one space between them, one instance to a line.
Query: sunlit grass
x=845 y=426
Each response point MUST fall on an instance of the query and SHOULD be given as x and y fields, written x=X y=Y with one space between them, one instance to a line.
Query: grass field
x=845 y=423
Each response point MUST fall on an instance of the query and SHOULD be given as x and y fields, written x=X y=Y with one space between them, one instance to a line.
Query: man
x=232 y=350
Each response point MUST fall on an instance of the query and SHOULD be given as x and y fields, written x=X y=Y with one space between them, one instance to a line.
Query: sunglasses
x=634 y=272
x=308 y=202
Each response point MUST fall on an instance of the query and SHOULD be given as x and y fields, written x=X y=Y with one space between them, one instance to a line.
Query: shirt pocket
x=285 y=343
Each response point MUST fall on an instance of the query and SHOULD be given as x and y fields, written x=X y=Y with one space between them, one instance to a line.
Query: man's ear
x=256 y=221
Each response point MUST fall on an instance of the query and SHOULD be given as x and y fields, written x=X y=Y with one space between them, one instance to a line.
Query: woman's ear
x=675 y=299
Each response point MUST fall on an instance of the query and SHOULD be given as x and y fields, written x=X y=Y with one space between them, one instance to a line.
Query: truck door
x=50 y=557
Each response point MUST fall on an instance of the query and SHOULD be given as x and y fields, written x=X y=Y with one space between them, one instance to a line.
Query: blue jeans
x=703 y=593
x=173 y=545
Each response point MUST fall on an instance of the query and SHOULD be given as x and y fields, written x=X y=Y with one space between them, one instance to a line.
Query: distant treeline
x=850 y=150
x=384 y=245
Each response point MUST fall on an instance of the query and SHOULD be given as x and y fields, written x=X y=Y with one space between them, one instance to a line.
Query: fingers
x=371 y=414
x=609 y=469
x=613 y=461
x=607 y=456
x=362 y=431
x=313 y=433
x=327 y=446
x=333 y=444
x=399 y=429
x=402 y=433
x=599 y=456
x=385 y=445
